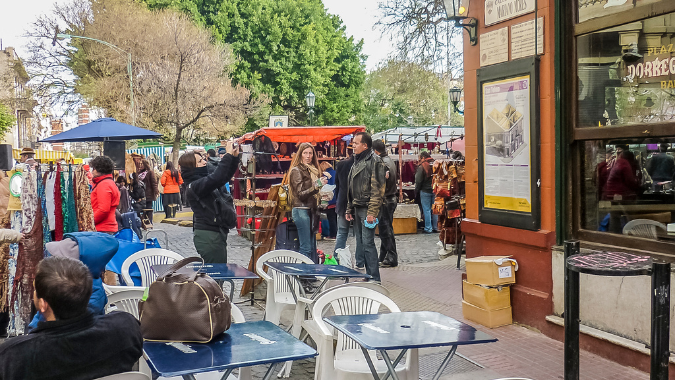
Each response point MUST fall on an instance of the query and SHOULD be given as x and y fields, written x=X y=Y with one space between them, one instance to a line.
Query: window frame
x=578 y=135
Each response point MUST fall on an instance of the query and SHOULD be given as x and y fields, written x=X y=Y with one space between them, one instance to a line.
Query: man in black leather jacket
x=388 y=254
x=364 y=199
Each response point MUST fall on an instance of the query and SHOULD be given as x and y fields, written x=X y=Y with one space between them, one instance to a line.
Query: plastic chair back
x=646 y=228
x=126 y=300
x=280 y=256
x=145 y=259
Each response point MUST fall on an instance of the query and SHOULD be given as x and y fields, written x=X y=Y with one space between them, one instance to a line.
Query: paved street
x=424 y=282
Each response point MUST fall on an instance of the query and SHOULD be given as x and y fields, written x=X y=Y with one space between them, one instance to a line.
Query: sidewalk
x=422 y=282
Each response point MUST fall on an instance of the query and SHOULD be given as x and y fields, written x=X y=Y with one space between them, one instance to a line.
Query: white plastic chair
x=348 y=362
x=643 y=228
x=126 y=300
x=112 y=289
x=126 y=376
x=244 y=372
x=145 y=259
x=301 y=323
x=279 y=295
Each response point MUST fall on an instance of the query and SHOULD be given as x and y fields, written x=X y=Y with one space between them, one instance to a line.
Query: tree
x=7 y=119
x=399 y=89
x=423 y=34
x=287 y=48
x=181 y=80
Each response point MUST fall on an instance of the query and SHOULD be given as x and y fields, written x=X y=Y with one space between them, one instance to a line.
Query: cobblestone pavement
x=424 y=282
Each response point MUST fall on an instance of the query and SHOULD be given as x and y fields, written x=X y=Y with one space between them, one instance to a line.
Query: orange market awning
x=303 y=134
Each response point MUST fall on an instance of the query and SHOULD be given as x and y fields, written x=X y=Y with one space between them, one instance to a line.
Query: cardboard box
x=485 y=297
x=483 y=270
x=487 y=318
x=402 y=226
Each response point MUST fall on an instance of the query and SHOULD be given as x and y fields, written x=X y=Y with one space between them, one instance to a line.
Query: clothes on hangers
x=58 y=205
x=85 y=212
x=69 y=223
x=49 y=199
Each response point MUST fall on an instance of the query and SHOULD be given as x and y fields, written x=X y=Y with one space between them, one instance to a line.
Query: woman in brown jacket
x=305 y=180
x=147 y=175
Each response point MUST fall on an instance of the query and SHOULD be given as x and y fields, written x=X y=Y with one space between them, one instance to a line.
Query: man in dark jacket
x=213 y=160
x=364 y=199
x=424 y=190
x=341 y=182
x=210 y=238
x=661 y=167
x=72 y=343
x=388 y=254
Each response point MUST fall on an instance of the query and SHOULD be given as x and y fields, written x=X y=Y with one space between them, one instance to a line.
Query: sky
x=359 y=17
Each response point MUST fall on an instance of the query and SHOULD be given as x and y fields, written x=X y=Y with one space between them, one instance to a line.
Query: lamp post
x=310 y=98
x=117 y=49
x=457 y=10
x=455 y=96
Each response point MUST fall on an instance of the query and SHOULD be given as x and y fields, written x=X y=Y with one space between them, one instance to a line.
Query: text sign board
x=494 y=47
x=522 y=38
x=501 y=10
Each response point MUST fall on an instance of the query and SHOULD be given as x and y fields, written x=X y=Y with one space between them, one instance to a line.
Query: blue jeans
x=342 y=232
x=303 y=221
x=365 y=242
x=430 y=220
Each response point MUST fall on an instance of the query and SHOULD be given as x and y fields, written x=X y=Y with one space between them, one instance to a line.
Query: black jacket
x=212 y=164
x=85 y=347
x=366 y=183
x=199 y=189
x=341 y=182
x=392 y=182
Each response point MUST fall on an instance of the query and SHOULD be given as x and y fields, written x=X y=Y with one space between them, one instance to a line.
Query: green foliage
x=399 y=89
x=286 y=48
x=7 y=120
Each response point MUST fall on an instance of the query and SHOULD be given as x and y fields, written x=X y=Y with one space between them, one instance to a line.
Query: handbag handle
x=176 y=266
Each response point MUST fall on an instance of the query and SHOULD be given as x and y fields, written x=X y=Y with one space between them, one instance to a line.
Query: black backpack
x=223 y=207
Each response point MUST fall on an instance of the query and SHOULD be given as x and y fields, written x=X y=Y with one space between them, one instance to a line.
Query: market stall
x=49 y=156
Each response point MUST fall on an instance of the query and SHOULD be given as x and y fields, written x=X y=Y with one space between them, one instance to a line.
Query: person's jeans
x=386 y=228
x=342 y=232
x=303 y=221
x=430 y=220
x=332 y=222
x=365 y=242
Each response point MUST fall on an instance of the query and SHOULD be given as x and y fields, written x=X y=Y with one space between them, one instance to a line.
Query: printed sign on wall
x=501 y=10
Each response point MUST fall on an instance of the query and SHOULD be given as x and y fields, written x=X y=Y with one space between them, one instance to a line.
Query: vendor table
x=217 y=271
x=404 y=331
x=405 y=218
x=617 y=264
x=243 y=345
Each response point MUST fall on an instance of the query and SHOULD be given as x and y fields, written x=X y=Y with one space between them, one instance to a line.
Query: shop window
x=590 y=9
x=626 y=181
x=624 y=132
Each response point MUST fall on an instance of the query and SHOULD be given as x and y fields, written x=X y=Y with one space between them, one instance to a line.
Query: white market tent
x=420 y=135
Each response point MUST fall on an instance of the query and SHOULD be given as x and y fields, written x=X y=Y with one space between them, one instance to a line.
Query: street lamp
x=117 y=49
x=456 y=10
x=455 y=96
x=310 y=98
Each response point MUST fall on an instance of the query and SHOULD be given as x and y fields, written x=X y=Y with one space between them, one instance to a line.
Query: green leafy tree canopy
x=7 y=119
x=287 y=48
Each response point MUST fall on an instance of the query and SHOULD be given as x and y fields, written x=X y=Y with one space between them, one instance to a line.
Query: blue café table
x=224 y=272
x=314 y=270
x=243 y=345
x=406 y=330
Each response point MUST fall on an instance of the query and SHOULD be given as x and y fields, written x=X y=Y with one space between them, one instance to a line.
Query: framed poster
x=508 y=144
x=278 y=121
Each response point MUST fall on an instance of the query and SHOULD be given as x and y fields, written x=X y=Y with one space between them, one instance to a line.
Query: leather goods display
x=184 y=307
x=438 y=207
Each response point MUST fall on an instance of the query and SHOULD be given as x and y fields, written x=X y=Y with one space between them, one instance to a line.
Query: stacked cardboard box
x=487 y=296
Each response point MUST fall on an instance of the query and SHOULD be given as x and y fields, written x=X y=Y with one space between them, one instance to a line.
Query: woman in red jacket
x=104 y=196
x=171 y=180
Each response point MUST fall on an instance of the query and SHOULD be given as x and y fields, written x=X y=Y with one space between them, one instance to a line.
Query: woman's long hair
x=172 y=169
x=298 y=156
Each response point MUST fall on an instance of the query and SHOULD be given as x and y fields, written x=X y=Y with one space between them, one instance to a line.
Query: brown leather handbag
x=184 y=306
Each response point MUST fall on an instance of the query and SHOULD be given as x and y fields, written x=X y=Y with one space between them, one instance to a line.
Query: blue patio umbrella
x=105 y=129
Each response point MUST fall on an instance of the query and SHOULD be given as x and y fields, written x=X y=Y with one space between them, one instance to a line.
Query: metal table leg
x=445 y=363
x=398 y=359
x=226 y=374
x=660 y=321
x=390 y=366
x=571 y=315
x=270 y=370
x=373 y=371
x=231 y=288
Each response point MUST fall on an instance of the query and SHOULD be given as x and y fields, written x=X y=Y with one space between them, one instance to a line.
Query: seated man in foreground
x=72 y=343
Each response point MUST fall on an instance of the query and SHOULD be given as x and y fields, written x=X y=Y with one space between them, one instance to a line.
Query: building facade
x=593 y=156
x=16 y=96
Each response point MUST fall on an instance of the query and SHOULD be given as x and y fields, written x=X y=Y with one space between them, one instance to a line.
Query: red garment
x=621 y=181
x=58 y=204
x=169 y=183
x=104 y=200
